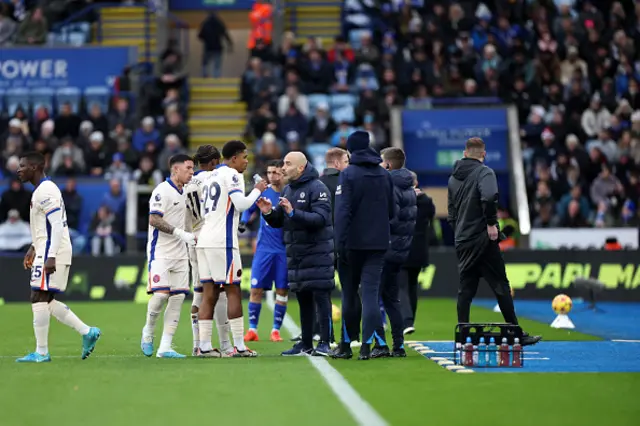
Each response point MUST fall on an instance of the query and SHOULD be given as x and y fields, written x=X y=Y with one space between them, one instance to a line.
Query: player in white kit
x=218 y=253
x=168 y=256
x=207 y=158
x=49 y=259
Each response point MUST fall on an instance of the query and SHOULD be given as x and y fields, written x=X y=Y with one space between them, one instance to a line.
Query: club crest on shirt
x=157 y=197
x=156 y=279
x=302 y=194
x=235 y=179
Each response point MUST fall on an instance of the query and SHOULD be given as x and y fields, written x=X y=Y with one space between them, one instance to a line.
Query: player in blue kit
x=269 y=263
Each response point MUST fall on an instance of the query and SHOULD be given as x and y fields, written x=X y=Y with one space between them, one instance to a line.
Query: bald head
x=294 y=164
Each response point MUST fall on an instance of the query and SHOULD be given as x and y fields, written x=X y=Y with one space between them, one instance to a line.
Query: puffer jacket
x=404 y=220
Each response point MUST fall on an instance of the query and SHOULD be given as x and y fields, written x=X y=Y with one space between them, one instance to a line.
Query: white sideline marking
x=361 y=411
x=626 y=341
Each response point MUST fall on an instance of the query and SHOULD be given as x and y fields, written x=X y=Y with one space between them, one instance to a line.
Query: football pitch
x=117 y=385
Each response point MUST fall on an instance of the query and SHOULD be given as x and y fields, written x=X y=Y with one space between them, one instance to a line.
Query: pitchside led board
x=181 y=5
x=434 y=139
x=55 y=68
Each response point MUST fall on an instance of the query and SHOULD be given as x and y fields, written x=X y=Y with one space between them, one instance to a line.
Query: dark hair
x=275 y=163
x=206 y=153
x=178 y=159
x=232 y=148
x=394 y=156
x=34 y=158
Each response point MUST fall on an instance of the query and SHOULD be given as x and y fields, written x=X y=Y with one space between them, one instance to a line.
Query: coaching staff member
x=304 y=212
x=472 y=214
x=364 y=207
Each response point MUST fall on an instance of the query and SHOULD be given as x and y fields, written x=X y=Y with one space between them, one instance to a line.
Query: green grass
x=119 y=386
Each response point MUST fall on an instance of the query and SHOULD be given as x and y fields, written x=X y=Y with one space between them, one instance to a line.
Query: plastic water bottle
x=468 y=353
x=517 y=353
x=492 y=350
x=459 y=353
x=482 y=353
x=475 y=354
x=504 y=353
x=257 y=178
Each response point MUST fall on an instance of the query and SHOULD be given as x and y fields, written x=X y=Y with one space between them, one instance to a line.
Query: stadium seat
x=343 y=99
x=42 y=96
x=317 y=152
x=15 y=98
x=315 y=100
x=345 y=113
x=76 y=38
x=99 y=95
x=71 y=95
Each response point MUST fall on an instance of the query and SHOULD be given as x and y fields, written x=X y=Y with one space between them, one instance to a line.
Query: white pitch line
x=361 y=411
x=626 y=341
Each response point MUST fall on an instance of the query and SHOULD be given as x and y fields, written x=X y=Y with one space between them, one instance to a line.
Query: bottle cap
x=468 y=339
x=492 y=340
x=482 y=340
x=516 y=340
x=504 y=340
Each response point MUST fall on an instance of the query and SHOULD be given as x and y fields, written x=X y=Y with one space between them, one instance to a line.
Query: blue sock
x=278 y=316
x=254 y=314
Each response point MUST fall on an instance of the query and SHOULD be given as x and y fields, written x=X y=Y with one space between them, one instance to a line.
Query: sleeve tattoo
x=160 y=224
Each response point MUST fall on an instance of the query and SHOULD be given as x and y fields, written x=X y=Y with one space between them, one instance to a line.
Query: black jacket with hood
x=404 y=220
x=472 y=202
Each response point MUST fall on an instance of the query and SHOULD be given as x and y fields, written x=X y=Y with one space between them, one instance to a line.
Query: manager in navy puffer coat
x=402 y=227
x=305 y=215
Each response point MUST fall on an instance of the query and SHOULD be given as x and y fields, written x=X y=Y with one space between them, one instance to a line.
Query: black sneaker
x=365 y=352
x=529 y=340
x=380 y=352
x=297 y=338
x=399 y=353
x=342 y=352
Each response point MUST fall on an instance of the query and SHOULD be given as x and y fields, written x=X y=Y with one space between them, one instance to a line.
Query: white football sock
x=222 y=323
x=197 y=300
x=195 y=329
x=171 y=320
x=41 y=321
x=237 y=331
x=154 y=307
x=206 y=328
x=62 y=313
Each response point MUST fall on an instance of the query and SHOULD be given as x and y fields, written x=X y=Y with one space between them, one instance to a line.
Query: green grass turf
x=119 y=386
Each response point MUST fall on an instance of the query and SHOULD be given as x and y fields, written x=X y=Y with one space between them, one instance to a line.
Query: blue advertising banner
x=61 y=67
x=177 y=5
x=435 y=139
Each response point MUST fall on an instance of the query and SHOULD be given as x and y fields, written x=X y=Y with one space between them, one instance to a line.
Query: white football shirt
x=221 y=218
x=193 y=192
x=169 y=202
x=46 y=199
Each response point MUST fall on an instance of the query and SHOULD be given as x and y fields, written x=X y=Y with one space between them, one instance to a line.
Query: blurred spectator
x=103 y=227
x=545 y=218
x=171 y=67
x=606 y=188
x=595 y=118
x=15 y=198
x=172 y=146
x=86 y=129
x=73 y=204
x=122 y=115
x=293 y=121
x=7 y=27
x=322 y=126
x=68 y=158
x=115 y=200
x=213 y=32
x=573 y=217
x=118 y=170
x=67 y=123
x=33 y=30
x=268 y=149
x=292 y=96
x=47 y=133
x=146 y=133
x=175 y=126
x=129 y=155
x=99 y=120
x=96 y=156
x=261 y=25
x=147 y=173
x=317 y=74
x=13 y=141
x=15 y=234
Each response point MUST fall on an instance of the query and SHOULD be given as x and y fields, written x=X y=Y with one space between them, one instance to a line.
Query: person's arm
x=488 y=187
x=235 y=187
x=275 y=218
x=54 y=217
x=452 y=213
x=320 y=205
x=246 y=215
x=157 y=206
x=393 y=204
x=343 y=210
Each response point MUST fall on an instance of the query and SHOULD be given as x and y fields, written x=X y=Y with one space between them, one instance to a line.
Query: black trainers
x=365 y=352
x=297 y=338
x=342 y=352
x=380 y=352
x=399 y=353
x=530 y=340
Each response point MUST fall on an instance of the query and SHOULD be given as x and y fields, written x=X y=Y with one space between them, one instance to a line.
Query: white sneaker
x=409 y=330
x=213 y=353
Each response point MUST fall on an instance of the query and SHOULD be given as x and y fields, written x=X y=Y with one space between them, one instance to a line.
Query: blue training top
x=270 y=240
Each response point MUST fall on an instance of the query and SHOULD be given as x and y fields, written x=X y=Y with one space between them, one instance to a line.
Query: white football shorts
x=170 y=275
x=219 y=266
x=55 y=283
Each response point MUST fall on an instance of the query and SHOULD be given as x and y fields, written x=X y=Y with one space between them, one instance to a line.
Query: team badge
x=156 y=279
x=302 y=194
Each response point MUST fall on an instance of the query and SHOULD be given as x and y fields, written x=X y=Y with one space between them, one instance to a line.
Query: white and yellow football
x=562 y=304
x=335 y=313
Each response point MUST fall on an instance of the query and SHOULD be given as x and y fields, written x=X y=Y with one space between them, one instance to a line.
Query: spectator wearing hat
x=146 y=133
x=172 y=146
x=96 y=156
x=15 y=133
x=118 y=170
x=364 y=202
